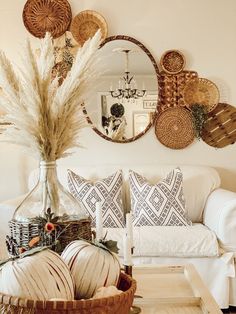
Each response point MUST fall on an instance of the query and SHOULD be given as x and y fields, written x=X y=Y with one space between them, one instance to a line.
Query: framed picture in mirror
x=150 y=102
x=140 y=121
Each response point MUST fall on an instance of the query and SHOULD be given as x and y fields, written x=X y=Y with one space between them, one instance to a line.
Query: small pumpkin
x=39 y=276
x=92 y=267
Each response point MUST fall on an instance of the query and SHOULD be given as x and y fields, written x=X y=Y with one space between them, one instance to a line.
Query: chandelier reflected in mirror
x=127 y=86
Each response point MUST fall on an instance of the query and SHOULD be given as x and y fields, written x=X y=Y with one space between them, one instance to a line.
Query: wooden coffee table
x=172 y=289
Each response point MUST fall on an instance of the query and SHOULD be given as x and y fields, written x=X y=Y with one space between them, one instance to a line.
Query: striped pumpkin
x=91 y=266
x=41 y=276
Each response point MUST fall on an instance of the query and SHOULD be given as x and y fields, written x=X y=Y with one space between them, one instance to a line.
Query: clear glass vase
x=49 y=215
x=49 y=194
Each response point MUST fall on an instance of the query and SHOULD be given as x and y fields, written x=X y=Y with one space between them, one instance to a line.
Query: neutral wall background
x=204 y=30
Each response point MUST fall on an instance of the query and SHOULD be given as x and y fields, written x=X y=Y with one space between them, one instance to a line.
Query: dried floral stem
x=46 y=118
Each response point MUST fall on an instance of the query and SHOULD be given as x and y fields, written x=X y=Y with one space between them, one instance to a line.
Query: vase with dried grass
x=46 y=119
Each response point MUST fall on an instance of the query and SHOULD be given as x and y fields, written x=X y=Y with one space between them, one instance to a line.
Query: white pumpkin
x=41 y=276
x=92 y=267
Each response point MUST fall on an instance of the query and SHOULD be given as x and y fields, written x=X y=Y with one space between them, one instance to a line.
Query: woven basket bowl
x=118 y=304
x=85 y=24
x=172 y=61
x=41 y=16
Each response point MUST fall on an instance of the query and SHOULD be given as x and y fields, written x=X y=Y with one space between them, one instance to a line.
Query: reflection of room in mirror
x=130 y=113
x=113 y=66
x=140 y=121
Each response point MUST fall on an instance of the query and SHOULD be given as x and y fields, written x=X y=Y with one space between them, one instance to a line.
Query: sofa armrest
x=220 y=216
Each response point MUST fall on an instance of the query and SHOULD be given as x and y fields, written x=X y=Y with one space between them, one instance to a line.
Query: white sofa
x=209 y=244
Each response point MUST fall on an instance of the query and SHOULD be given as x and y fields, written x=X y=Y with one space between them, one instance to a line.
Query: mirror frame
x=157 y=72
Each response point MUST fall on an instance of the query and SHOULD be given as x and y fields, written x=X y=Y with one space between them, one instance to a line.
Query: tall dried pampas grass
x=46 y=118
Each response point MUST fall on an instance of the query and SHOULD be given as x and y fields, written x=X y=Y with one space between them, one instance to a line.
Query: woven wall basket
x=172 y=61
x=203 y=92
x=41 y=16
x=85 y=25
x=118 y=304
x=174 y=128
x=220 y=127
x=171 y=88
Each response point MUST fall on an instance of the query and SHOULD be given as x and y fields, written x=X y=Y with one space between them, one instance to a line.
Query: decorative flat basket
x=41 y=16
x=203 y=92
x=171 y=87
x=118 y=304
x=220 y=127
x=172 y=61
x=23 y=233
x=174 y=128
x=85 y=24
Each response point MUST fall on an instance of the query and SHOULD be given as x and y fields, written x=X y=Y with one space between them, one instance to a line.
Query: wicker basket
x=172 y=61
x=85 y=24
x=220 y=127
x=201 y=91
x=174 y=128
x=22 y=233
x=41 y=16
x=118 y=304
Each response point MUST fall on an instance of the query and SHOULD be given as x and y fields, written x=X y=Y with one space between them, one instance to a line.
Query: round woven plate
x=203 y=92
x=85 y=24
x=41 y=16
x=172 y=61
x=174 y=128
x=220 y=127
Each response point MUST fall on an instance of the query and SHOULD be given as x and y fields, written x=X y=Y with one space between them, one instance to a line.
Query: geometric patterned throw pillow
x=108 y=191
x=162 y=204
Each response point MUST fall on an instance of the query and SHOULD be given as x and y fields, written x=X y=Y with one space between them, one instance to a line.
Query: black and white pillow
x=108 y=191
x=162 y=204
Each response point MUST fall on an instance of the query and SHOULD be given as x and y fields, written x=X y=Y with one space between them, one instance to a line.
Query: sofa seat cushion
x=173 y=241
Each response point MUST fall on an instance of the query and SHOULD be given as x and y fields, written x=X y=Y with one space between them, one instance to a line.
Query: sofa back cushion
x=198 y=181
x=160 y=204
x=107 y=191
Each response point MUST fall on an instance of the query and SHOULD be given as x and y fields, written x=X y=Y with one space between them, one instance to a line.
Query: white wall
x=203 y=30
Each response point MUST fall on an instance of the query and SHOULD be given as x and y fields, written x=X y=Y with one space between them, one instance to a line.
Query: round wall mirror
x=124 y=103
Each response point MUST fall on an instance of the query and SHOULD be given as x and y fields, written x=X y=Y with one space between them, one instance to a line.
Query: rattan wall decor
x=179 y=89
x=174 y=128
x=172 y=61
x=41 y=16
x=86 y=23
x=171 y=88
x=220 y=127
x=201 y=91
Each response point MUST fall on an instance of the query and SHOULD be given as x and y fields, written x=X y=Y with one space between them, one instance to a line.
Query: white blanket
x=191 y=241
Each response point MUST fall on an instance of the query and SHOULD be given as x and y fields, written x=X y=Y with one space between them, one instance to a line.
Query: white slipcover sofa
x=209 y=244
